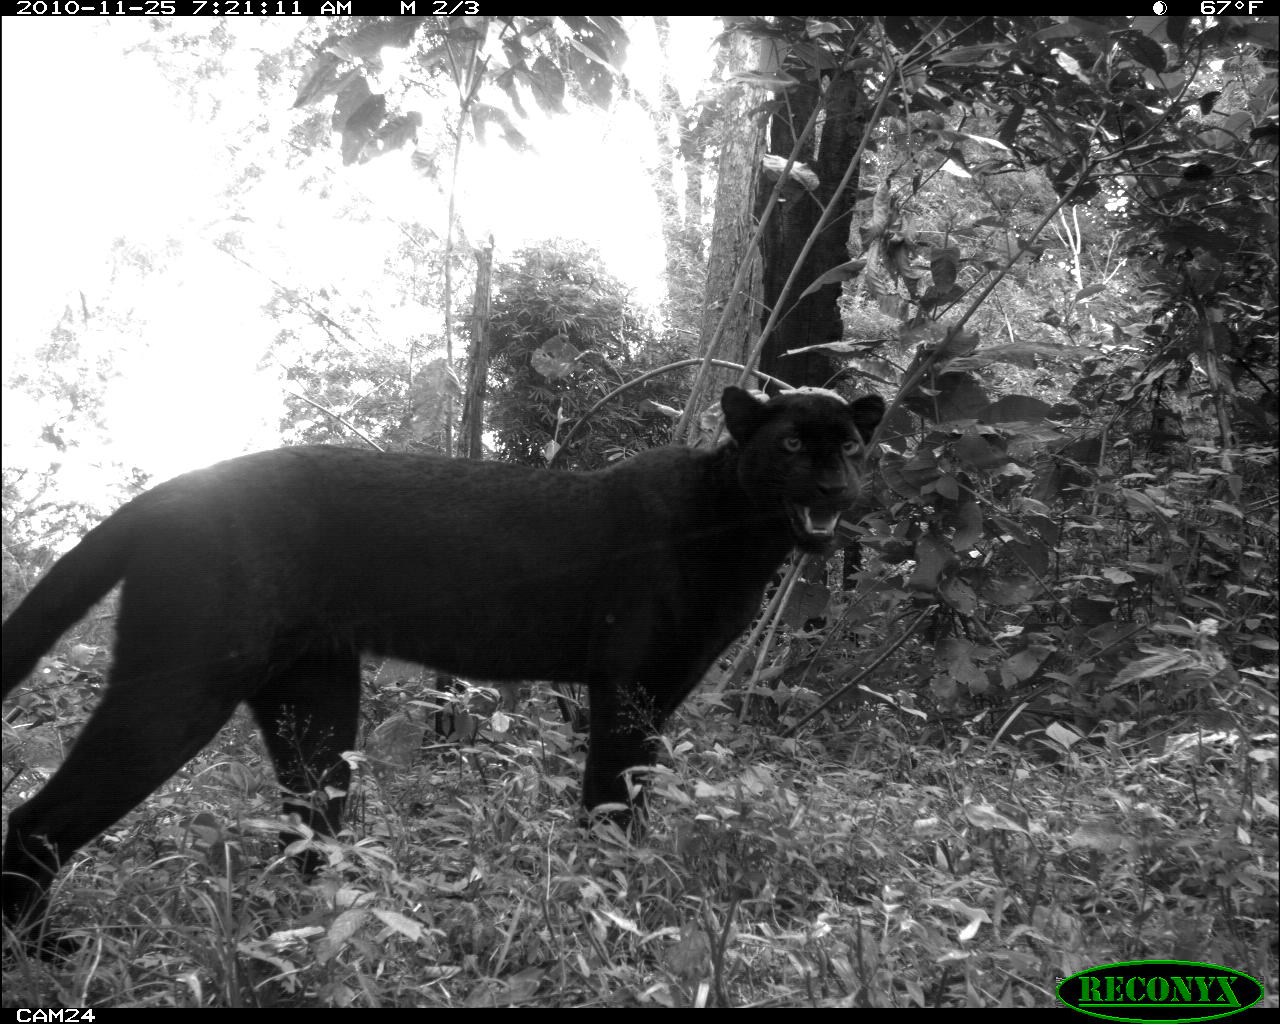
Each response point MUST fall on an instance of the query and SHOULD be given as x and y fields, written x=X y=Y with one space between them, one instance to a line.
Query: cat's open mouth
x=811 y=523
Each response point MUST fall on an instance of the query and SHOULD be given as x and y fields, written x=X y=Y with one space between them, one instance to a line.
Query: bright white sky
x=95 y=149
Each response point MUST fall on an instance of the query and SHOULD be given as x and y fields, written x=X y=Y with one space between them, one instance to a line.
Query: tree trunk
x=681 y=231
x=473 y=403
x=815 y=319
x=741 y=145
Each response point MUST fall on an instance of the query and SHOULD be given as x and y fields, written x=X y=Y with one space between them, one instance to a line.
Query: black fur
x=263 y=579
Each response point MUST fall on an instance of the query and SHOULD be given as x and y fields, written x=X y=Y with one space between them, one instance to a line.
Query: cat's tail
x=64 y=594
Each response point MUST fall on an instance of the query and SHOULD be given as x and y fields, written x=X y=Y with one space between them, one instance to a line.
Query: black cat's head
x=803 y=452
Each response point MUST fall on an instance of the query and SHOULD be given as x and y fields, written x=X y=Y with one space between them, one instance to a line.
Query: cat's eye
x=851 y=448
x=792 y=444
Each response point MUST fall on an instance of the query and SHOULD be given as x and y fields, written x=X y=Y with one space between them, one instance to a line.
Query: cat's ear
x=743 y=413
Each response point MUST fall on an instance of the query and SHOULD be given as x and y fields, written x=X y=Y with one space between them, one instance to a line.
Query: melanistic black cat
x=262 y=580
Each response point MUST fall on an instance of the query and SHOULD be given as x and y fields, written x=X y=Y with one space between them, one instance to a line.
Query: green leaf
x=320 y=79
x=958 y=397
x=945 y=264
x=1010 y=592
x=399 y=130
x=932 y=556
x=959 y=595
x=1193 y=236
x=982 y=140
x=1009 y=128
x=969 y=526
x=482 y=115
x=844 y=272
x=986 y=817
x=1027 y=353
x=1016 y=409
x=891 y=471
x=547 y=84
x=976 y=452
x=409 y=928
x=808 y=601
x=966 y=54
x=1033 y=553
x=813 y=29
x=760 y=80
x=1024 y=664
x=1092 y=610
x=1145 y=50
x=1158 y=664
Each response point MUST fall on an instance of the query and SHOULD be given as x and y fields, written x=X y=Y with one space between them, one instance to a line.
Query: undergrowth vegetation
x=858 y=867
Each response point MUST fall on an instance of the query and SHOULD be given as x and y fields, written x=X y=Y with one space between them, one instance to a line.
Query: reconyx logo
x=1163 y=990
